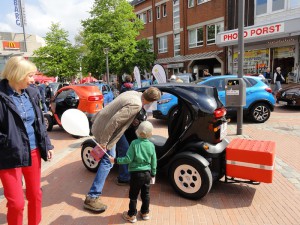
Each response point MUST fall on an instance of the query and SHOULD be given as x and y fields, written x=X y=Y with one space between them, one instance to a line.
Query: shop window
x=163 y=44
x=196 y=37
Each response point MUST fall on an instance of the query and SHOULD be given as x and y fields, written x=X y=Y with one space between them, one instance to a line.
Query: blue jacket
x=14 y=142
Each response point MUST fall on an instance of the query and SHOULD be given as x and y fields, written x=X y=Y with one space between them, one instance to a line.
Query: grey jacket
x=110 y=123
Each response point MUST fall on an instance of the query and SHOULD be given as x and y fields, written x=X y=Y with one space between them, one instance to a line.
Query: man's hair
x=128 y=78
x=144 y=130
x=205 y=70
x=151 y=94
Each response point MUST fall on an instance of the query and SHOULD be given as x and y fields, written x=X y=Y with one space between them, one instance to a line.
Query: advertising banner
x=159 y=74
x=137 y=76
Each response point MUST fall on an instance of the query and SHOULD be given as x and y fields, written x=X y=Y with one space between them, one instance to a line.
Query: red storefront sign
x=260 y=31
x=11 y=45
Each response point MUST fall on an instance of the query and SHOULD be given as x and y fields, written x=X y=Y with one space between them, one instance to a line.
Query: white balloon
x=75 y=122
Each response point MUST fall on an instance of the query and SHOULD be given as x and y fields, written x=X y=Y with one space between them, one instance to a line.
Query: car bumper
x=157 y=114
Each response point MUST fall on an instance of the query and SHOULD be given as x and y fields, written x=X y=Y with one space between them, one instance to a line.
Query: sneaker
x=145 y=216
x=94 y=204
x=121 y=183
x=131 y=219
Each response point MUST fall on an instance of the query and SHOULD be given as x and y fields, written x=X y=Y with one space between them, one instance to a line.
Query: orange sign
x=13 y=45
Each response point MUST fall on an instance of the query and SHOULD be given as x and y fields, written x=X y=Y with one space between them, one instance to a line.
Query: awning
x=204 y=55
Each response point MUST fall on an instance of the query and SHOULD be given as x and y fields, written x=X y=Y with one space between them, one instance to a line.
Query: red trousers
x=13 y=191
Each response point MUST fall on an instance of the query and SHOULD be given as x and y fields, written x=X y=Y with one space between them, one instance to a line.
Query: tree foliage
x=58 y=57
x=112 y=24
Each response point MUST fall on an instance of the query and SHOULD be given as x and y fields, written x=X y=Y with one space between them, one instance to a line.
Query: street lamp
x=105 y=50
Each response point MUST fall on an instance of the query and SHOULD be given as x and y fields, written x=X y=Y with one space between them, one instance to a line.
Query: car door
x=66 y=99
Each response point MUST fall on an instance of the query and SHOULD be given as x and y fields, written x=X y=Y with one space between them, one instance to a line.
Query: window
x=163 y=44
x=196 y=37
x=143 y=17
x=212 y=31
x=158 y=12
x=150 y=41
x=164 y=9
x=269 y=6
x=294 y=4
x=176 y=15
x=176 y=44
x=190 y=3
x=150 y=15
x=202 y=1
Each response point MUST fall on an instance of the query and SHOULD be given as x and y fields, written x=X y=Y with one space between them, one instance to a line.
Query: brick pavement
x=66 y=182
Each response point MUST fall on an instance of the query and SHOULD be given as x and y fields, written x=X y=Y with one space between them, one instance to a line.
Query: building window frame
x=196 y=37
x=158 y=12
x=267 y=6
x=150 y=41
x=191 y=3
x=211 y=32
x=164 y=10
x=176 y=15
x=162 y=44
x=150 y=15
x=202 y=1
x=177 y=44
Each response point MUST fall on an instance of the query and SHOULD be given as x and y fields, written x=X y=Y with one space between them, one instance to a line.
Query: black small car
x=193 y=155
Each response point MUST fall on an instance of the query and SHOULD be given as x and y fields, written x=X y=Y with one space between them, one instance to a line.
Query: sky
x=41 y=13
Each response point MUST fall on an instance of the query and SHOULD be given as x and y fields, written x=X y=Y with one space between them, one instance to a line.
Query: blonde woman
x=23 y=141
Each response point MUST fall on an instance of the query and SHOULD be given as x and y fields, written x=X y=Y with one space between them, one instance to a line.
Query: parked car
x=193 y=154
x=289 y=96
x=107 y=92
x=259 y=99
x=86 y=98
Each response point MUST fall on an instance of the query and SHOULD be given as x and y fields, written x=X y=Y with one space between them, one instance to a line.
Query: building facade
x=183 y=34
x=12 y=44
x=271 y=38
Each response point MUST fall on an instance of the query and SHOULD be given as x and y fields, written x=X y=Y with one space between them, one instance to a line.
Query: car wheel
x=190 y=178
x=260 y=113
x=48 y=122
x=88 y=161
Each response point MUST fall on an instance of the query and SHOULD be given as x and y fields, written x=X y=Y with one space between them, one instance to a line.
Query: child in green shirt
x=141 y=160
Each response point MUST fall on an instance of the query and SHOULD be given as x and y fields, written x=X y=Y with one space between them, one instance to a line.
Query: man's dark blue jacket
x=14 y=142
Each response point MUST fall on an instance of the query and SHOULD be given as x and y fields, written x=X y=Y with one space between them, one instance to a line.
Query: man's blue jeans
x=102 y=173
x=122 y=148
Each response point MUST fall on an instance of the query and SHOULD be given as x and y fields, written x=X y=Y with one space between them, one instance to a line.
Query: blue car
x=259 y=99
x=106 y=91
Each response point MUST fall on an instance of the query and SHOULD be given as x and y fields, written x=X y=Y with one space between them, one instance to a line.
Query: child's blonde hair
x=144 y=130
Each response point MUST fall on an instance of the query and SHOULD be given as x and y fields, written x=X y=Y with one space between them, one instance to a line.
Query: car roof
x=83 y=90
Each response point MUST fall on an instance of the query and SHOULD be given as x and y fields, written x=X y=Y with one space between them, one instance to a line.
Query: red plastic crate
x=251 y=159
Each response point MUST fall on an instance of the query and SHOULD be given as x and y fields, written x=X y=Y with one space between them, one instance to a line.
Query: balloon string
x=100 y=147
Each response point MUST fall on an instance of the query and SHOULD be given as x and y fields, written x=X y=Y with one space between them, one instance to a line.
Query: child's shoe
x=131 y=219
x=145 y=216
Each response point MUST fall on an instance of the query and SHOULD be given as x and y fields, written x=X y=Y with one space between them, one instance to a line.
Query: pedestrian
x=206 y=73
x=141 y=159
x=267 y=74
x=127 y=85
x=48 y=94
x=42 y=89
x=109 y=124
x=23 y=141
x=278 y=79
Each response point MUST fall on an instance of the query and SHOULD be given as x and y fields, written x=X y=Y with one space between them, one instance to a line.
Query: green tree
x=58 y=57
x=112 y=24
x=144 y=57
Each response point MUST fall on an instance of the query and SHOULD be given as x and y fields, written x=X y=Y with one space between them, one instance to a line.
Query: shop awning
x=199 y=56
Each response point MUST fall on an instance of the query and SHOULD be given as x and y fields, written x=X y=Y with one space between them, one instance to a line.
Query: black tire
x=48 y=122
x=190 y=178
x=260 y=112
x=87 y=160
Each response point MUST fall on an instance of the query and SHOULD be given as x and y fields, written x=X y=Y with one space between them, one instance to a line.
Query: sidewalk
x=66 y=183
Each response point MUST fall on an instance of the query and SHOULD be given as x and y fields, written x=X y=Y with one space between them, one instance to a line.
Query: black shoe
x=122 y=183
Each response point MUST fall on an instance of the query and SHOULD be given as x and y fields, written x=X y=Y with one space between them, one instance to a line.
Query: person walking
x=109 y=125
x=278 y=79
x=127 y=85
x=23 y=141
x=42 y=89
x=141 y=159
